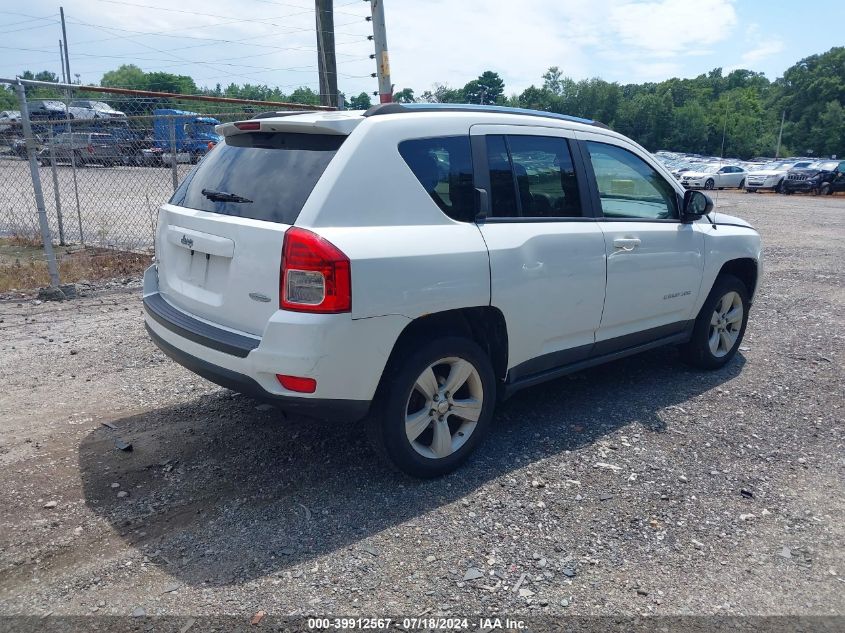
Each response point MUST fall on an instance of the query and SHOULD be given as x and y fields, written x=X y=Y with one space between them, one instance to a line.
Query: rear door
x=219 y=240
x=654 y=262
x=546 y=251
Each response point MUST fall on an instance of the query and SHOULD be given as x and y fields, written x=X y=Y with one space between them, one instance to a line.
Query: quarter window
x=443 y=165
x=629 y=187
x=532 y=177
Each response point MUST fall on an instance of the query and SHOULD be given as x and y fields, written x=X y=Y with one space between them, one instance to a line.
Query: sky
x=430 y=41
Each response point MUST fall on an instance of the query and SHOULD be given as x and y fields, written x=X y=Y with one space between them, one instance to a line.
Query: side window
x=629 y=187
x=443 y=165
x=532 y=177
x=545 y=176
x=502 y=185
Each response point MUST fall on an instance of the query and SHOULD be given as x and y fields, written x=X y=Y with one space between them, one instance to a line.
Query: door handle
x=626 y=243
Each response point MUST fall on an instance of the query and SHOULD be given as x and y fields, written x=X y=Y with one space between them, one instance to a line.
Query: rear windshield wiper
x=224 y=196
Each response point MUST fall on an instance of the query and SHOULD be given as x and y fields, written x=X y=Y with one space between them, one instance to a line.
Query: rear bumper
x=324 y=409
x=345 y=356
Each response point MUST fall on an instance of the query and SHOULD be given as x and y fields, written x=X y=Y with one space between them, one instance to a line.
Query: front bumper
x=800 y=185
x=345 y=356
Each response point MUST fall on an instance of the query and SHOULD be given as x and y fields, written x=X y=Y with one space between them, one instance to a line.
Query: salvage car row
x=795 y=175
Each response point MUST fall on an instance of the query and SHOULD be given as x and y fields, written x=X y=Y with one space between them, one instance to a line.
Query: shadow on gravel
x=222 y=492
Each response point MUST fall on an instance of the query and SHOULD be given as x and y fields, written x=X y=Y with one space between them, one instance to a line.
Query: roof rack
x=398 y=108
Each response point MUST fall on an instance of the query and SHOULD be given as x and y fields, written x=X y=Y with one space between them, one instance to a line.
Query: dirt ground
x=639 y=487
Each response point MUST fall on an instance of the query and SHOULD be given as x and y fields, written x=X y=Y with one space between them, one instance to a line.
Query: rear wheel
x=436 y=408
x=720 y=325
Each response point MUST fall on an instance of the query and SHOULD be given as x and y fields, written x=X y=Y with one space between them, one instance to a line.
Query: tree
x=488 y=88
x=127 y=76
x=361 y=102
x=405 y=95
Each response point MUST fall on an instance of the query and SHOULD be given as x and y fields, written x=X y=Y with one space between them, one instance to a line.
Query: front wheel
x=825 y=190
x=779 y=188
x=436 y=408
x=709 y=183
x=720 y=325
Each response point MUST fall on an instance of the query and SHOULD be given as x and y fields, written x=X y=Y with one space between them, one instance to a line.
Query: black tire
x=779 y=187
x=709 y=184
x=825 y=189
x=741 y=184
x=697 y=351
x=397 y=394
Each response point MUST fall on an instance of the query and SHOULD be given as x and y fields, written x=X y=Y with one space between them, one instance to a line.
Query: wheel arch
x=745 y=269
x=485 y=325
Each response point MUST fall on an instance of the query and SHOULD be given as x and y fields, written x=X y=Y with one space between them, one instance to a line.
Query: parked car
x=9 y=119
x=771 y=176
x=817 y=178
x=85 y=109
x=714 y=177
x=84 y=148
x=415 y=298
x=53 y=110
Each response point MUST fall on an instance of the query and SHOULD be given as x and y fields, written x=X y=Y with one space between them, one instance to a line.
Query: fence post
x=56 y=185
x=174 y=169
x=73 y=168
x=47 y=240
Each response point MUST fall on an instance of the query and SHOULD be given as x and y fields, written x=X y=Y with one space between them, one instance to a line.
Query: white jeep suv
x=408 y=266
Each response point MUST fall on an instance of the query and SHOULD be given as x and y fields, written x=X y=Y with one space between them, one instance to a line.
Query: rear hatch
x=219 y=241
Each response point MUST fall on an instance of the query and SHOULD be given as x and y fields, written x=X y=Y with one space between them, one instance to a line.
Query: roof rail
x=398 y=108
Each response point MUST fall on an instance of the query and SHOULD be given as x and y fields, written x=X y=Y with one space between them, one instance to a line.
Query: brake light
x=90 y=149
x=297 y=383
x=315 y=275
x=248 y=126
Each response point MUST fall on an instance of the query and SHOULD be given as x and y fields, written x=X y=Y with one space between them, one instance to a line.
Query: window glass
x=443 y=165
x=629 y=187
x=545 y=176
x=502 y=185
x=258 y=175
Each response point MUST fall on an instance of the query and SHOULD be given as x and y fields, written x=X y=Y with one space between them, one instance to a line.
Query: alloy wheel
x=443 y=407
x=725 y=324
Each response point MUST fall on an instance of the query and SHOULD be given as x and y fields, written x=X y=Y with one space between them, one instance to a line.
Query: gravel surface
x=638 y=487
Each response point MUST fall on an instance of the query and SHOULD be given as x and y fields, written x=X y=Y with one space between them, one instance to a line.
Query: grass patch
x=23 y=267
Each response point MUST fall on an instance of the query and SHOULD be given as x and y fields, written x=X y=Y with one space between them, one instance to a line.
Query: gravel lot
x=640 y=487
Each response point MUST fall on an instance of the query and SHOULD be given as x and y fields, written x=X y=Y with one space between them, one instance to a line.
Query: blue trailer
x=193 y=132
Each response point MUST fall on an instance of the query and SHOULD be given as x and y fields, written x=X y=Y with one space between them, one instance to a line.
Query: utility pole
x=67 y=52
x=326 y=60
x=62 y=62
x=385 y=88
x=780 y=134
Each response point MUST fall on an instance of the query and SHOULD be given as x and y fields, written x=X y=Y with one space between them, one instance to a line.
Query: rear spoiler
x=298 y=122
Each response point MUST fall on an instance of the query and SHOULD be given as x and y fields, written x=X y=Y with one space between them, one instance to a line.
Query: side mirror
x=696 y=205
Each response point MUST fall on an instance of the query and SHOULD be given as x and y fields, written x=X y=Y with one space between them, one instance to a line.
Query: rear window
x=259 y=176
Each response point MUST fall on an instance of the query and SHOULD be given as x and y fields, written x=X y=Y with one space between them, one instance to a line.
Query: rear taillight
x=315 y=275
x=90 y=149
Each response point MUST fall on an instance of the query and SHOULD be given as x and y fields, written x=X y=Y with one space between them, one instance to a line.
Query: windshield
x=203 y=128
x=259 y=176
x=776 y=166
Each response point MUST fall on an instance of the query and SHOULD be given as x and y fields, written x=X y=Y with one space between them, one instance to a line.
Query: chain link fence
x=105 y=160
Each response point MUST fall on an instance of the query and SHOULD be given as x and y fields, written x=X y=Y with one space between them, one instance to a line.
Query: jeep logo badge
x=257 y=296
x=187 y=241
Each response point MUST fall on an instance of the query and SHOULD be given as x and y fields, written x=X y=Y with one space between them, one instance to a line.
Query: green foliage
x=680 y=114
x=361 y=102
x=404 y=96
x=488 y=88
